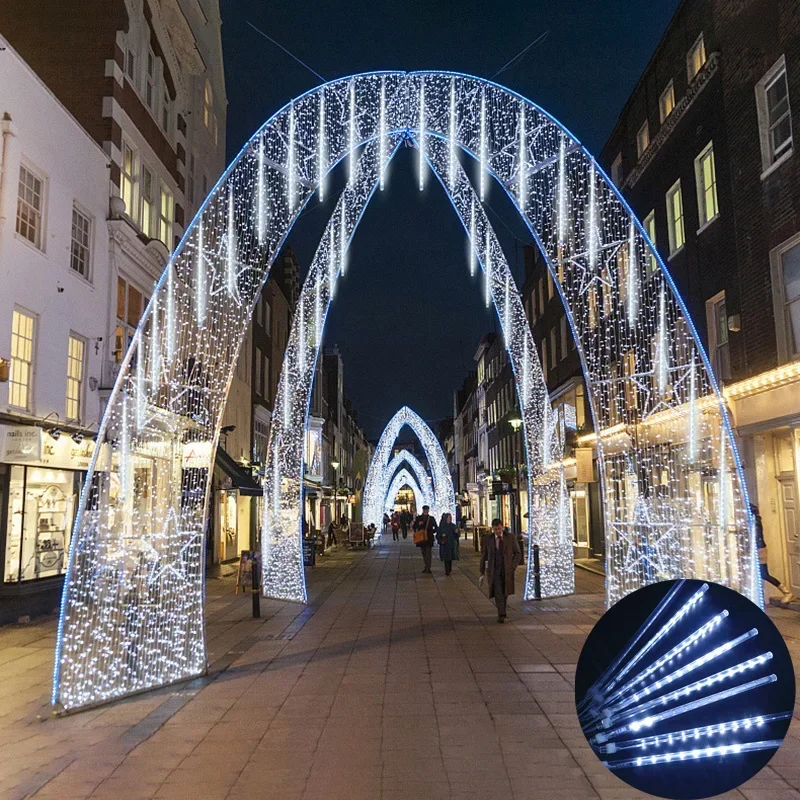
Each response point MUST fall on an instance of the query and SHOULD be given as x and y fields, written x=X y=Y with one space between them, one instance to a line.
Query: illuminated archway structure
x=674 y=498
x=401 y=480
x=409 y=460
x=383 y=466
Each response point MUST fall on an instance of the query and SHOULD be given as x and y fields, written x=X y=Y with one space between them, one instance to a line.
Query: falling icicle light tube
x=451 y=166
x=382 y=135
x=522 y=186
x=422 y=134
x=321 y=153
x=291 y=169
x=482 y=144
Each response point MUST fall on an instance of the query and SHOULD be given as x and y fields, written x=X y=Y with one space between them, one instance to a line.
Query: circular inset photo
x=685 y=689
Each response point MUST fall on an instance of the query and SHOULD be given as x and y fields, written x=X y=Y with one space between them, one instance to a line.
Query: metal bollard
x=537 y=578
x=256 y=591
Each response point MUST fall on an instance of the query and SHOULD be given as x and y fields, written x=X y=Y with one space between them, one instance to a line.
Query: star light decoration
x=686 y=659
x=674 y=499
x=380 y=473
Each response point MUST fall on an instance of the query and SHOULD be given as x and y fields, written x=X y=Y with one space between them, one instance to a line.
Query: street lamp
x=335 y=465
x=516 y=424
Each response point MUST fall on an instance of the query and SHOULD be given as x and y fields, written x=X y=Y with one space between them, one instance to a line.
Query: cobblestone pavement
x=390 y=684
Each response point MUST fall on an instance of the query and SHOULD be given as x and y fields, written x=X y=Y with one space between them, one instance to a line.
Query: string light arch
x=409 y=461
x=400 y=481
x=674 y=498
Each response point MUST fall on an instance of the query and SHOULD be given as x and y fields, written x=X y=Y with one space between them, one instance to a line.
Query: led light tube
x=648 y=722
x=597 y=686
x=680 y=737
x=685 y=691
x=693 y=755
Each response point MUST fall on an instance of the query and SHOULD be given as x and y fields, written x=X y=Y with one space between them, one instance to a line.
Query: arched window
x=208 y=105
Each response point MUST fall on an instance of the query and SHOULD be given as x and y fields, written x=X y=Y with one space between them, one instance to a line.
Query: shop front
x=40 y=485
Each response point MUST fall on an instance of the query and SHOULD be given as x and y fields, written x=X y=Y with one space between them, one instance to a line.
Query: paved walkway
x=390 y=684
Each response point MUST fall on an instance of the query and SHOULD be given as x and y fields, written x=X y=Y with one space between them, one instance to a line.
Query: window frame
x=675 y=248
x=147 y=223
x=722 y=371
x=31 y=362
x=616 y=171
x=40 y=213
x=768 y=160
x=78 y=209
x=698 y=44
x=785 y=356
x=150 y=80
x=643 y=128
x=134 y=178
x=649 y=225
x=79 y=400
x=669 y=92
x=702 y=210
x=166 y=223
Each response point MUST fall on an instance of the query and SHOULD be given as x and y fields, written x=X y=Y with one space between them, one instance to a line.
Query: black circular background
x=686 y=780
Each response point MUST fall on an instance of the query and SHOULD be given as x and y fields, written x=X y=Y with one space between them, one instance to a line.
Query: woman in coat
x=447 y=536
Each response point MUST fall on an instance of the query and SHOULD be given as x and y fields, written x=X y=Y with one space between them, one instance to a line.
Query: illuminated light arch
x=401 y=480
x=424 y=481
x=380 y=471
x=674 y=499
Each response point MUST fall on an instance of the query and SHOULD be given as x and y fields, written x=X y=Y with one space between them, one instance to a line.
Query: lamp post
x=335 y=465
x=516 y=424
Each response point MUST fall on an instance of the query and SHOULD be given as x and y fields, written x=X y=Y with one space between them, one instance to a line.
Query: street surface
x=390 y=684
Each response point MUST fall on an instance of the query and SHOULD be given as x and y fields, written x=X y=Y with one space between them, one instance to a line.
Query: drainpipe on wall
x=7 y=128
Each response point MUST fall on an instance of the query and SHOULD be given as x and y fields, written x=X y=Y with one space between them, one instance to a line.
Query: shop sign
x=64 y=453
x=20 y=444
x=585 y=465
x=197 y=455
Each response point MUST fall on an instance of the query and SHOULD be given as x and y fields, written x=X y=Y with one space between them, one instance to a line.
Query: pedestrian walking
x=500 y=556
x=395 y=527
x=386 y=520
x=405 y=519
x=344 y=529
x=332 y=534
x=447 y=536
x=761 y=544
x=424 y=536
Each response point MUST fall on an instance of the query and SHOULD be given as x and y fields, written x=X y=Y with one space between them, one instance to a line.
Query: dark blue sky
x=407 y=317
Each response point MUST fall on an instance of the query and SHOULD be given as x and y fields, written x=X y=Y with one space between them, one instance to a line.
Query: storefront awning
x=240 y=478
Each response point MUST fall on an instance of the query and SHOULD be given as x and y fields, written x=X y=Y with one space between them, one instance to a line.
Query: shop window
x=705 y=172
x=23 y=328
x=774 y=115
x=718 y=347
x=677 y=237
x=131 y=304
x=41 y=510
x=30 y=206
x=666 y=103
x=80 y=248
x=75 y=366
x=696 y=58
x=642 y=139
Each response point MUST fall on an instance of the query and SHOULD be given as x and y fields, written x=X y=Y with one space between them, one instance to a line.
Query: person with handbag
x=447 y=536
x=395 y=527
x=500 y=556
x=424 y=536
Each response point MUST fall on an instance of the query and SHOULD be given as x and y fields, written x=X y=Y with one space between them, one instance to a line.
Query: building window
x=642 y=139
x=675 y=218
x=268 y=317
x=545 y=363
x=81 y=239
x=666 y=102
x=150 y=81
x=30 y=202
x=267 y=381
x=550 y=288
x=706 y=175
x=131 y=303
x=541 y=294
x=23 y=327
x=774 y=114
x=564 y=338
x=553 y=351
x=786 y=288
x=616 y=171
x=209 y=117
x=165 y=111
x=130 y=65
x=148 y=184
x=695 y=58
x=128 y=179
x=258 y=381
x=718 y=348
x=75 y=359
x=165 y=217
x=190 y=177
x=649 y=224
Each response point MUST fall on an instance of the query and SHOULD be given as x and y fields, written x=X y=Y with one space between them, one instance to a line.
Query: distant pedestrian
x=386 y=521
x=499 y=558
x=447 y=536
x=761 y=544
x=395 y=527
x=424 y=536
x=405 y=519
x=344 y=529
x=332 y=534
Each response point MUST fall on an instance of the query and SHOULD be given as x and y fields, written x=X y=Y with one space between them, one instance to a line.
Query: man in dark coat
x=500 y=557
x=427 y=524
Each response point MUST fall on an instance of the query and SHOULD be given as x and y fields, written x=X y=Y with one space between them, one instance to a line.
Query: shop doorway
x=787 y=495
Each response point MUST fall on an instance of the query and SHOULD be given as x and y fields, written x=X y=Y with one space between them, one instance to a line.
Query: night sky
x=407 y=317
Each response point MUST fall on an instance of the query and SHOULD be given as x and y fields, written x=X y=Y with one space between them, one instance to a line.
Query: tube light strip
x=692 y=755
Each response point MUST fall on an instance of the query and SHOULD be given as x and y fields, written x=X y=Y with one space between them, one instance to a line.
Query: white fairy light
x=591 y=223
x=472 y=240
x=692 y=437
x=522 y=184
x=292 y=177
x=141 y=391
x=682 y=756
x=169 y=333
x=261 y=196
x=405 y=457
x=487 y=269
x=421 y=133
x=451 y=171
x=382 y=134
x=400 y=480
x=301 y=350
x=632 y=290
x=96 y=640
x=662 y=345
